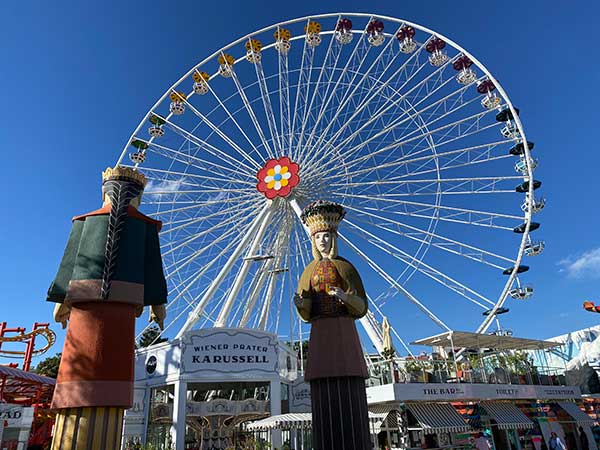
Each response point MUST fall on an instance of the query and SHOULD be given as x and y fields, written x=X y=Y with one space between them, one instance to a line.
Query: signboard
x=15 y=416
x=157 y=361
x=137 y=413
x=451 y=392
x=300 y=397
x=220 y=407
x=222 y=351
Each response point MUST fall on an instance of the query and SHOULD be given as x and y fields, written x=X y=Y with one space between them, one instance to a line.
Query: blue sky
x=78 y=76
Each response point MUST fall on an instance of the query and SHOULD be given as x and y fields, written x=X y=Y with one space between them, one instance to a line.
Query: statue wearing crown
x=110 y=270
x=331 y=297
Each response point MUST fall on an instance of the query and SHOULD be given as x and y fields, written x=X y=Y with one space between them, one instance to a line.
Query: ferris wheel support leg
x=262 y=324
x=197 y=312
x=264 y=314
x=241 y=276
x=253 y=297
x=370 y=325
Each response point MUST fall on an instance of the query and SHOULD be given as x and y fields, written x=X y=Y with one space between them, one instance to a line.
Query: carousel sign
x=229 y=351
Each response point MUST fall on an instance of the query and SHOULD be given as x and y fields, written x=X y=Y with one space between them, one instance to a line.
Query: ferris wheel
x=400 y=125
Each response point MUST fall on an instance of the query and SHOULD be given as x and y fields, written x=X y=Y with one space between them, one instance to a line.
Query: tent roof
x=466 y=339
x=18 y=386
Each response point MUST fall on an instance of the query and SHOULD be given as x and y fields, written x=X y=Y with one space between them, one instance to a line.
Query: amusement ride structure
x=18 y=335
x=403 y=127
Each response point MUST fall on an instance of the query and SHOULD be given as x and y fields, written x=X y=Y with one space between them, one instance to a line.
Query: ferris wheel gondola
x=399 y=124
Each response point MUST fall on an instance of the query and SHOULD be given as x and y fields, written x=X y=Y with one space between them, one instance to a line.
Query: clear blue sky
x=78 y=76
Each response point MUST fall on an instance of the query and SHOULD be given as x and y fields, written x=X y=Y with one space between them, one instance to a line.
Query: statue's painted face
x=323 y=242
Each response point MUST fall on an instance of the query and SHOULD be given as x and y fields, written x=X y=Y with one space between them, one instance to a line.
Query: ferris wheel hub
x=278 y=177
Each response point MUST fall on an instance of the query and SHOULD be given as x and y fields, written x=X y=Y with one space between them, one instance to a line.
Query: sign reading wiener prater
x=229 y=351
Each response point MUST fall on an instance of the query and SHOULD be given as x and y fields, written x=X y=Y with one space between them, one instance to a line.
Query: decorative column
x=275 y=398
x=110 y=270
x=178 y=427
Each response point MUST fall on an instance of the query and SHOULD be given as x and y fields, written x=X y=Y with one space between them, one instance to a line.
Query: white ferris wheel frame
x=259 y=225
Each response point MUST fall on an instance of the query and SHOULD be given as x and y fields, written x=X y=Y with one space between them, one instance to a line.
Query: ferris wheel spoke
x=302 y=91
x=268 y=108
x=214 y=171
x=284 y=101
x=216 y=202
x=226 y=138
x=234 y=219
x=252 y=114
x=182 y=263
x=435 y=240
x=449 y=105
x=333 y=52
x=249 y=306
x=360 y=51
x=451 y=182
x=403 y=71
x=389 y=150
x=437 y=212
x=470 y=155
x=186 y=284
x=202 y=145
x=445 y=280
x=244 y=205
x=347 y=97
x=462 y=128
x=393 y=283
x=233 y=120
x=181 y=178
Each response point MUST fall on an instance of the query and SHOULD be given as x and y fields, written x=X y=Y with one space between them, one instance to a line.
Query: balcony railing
x=404 y=370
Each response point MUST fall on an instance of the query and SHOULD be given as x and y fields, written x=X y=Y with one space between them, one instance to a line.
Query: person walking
x=583 y=440
x=481 y=442
x=556 y=443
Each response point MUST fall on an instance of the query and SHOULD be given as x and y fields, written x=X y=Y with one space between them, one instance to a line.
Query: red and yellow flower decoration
x=277 y=177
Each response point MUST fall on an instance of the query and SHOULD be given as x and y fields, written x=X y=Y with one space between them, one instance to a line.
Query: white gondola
x=200 y=87
x=313 y=39
x=521 y=292
x=344 y=37
x=510 y=131
x=376 y=39
x=283 y=46
x=177 y=108
x=466 y=76
x=156 y=131
x=138 y=157
x=534 y=248
x=490 y=101
x=253 y=56
x=536 y=207
x=521 y=165
x=438 y=58
x=408 y=45
x=225 y=71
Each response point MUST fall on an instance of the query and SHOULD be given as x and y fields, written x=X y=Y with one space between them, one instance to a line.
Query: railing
x=402 y=370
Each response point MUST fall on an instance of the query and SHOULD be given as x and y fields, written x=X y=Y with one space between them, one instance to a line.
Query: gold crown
x=124 y=173
x=322 y=216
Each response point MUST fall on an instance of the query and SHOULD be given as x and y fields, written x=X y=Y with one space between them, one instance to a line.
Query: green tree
x=150 y=337
x=49 y=366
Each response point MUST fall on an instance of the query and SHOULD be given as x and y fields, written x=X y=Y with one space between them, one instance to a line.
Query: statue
x=111 y=269
x=331 y=297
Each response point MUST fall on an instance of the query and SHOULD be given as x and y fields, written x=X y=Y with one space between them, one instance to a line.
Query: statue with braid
x=111 y=269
